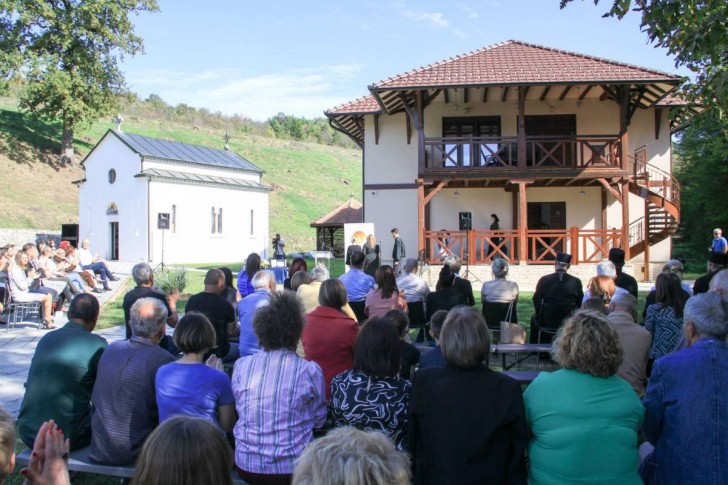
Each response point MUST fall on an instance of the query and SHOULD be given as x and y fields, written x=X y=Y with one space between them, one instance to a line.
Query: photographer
x=278 y=245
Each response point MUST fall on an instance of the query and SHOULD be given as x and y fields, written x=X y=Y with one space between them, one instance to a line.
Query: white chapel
x=148 y=199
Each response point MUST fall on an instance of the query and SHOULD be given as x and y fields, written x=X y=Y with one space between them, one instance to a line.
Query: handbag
x=511 y=333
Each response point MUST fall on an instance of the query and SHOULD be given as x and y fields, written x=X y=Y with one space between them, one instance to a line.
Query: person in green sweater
x=583 y=418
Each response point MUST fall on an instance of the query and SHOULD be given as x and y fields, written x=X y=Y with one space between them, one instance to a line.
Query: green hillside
x=309 y=178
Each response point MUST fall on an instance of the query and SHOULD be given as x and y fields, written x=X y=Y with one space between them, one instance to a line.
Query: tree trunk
x=67 y=155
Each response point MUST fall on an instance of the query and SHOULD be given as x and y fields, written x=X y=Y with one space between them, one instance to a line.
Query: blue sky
x=259 y=58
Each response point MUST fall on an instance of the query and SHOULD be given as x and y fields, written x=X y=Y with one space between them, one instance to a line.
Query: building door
x=114 y=238
x=546 y=216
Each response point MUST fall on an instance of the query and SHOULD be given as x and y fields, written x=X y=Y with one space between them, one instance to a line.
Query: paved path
x=17 y=344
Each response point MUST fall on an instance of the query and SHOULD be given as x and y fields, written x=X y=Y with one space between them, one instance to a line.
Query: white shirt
x=84 y=257
x=414 y=287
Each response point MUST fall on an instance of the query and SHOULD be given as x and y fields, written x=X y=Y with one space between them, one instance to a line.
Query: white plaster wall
x=393 y=208
x=128 y=193
x=642 y=133
x=481 y=202
x=199 y=169
x=392 y=160
x=193 y=241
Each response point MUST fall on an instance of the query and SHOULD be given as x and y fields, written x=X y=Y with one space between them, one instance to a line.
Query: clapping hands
x=49 y=460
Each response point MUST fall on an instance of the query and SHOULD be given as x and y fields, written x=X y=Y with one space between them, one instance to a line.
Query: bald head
x=148 y=317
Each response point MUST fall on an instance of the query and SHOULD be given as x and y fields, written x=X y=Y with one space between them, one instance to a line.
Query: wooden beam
x=465 y=95
x=624 y=120
x=521 y=130
x=586 y=91
x=505 y=94
x=573 y=180
x=525 y=90
x=634 y=105
x=522 y=221
x=408 y=121
x=419 y=121
x=610 y=189
x=434 y=191
x=550 y=181
x=446 y=93
x=625 y=220
x=431 y=97
x=376 y=129
x=565 y=92
x=608 y=93
x=420 y=218
x=545 y=92
x=646 y=254
x=485 y=94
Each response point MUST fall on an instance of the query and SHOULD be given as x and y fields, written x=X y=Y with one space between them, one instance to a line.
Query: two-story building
x=571 y=152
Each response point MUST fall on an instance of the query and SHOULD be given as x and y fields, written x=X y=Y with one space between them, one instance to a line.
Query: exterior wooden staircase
x=661 y=192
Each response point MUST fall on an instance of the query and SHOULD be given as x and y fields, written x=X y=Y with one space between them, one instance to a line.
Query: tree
x=701 y=166
x=696 y=33
x=68 y=54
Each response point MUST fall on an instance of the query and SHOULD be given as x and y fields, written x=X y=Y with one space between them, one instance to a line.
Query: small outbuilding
x=149 y=199
x=330 y=227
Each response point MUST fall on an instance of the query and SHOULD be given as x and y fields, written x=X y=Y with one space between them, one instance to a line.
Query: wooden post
x=421 y=217
x=624 y=120
x=420 y=127
x=521 y=129
x=646 y=220
x=471 y=247
x=625 y=219
x=574 y=236
x=522 y=220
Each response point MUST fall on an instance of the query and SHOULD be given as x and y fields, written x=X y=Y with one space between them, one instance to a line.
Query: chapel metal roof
x=200 y=179
x=184 y=152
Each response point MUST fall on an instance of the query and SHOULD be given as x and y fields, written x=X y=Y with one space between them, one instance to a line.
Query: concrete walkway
x=17 y=345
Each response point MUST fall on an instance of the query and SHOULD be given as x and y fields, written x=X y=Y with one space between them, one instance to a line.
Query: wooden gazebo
x=330 y=227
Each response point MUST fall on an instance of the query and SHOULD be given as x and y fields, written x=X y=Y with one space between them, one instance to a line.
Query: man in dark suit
x=460 y=285
x=623 y=280
x=557 y=295
x=716 y=262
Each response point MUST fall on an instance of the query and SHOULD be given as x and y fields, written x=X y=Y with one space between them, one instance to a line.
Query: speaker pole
x=161 y=263
x=467 y=273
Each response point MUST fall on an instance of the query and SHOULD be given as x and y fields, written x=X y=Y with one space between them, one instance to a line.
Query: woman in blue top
x=190 y=388
x=245 y=277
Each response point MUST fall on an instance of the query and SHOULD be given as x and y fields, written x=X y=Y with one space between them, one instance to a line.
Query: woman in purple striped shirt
x=279 y=396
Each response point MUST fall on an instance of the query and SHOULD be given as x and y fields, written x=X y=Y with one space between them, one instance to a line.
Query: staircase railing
x=637 y=231
x=656 y=180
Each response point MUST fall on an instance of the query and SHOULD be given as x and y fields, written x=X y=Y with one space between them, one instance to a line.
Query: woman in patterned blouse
x=372 y=396
x=665 y=318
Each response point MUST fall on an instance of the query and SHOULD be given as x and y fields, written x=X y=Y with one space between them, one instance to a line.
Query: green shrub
x=169 y=280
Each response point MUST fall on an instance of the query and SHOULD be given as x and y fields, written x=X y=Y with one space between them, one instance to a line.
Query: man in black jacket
x=716 y=262
x=557 y=295
x=398 y=251
x=623 y=280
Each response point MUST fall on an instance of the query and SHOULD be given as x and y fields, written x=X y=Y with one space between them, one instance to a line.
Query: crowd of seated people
x=315 y=389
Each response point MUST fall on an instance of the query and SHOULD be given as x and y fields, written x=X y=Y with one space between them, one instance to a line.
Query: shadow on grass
x=28 y=141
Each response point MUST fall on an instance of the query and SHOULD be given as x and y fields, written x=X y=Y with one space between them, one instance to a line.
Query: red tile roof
x=515 y=62
x=348 y=212
x=364 y=105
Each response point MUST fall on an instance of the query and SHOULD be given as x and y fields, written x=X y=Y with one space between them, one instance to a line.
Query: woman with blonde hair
x=173 y=454
x=584 y=418
x=601 y=287
x=371 y=255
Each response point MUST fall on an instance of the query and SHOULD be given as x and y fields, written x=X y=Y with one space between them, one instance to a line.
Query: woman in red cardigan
x=328 y=338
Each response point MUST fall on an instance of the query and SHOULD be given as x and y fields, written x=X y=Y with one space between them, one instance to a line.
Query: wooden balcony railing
x=484 y=153
x=481 y=247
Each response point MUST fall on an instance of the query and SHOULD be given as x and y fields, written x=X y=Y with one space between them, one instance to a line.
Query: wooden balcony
x=546 y=156
x=481 y=247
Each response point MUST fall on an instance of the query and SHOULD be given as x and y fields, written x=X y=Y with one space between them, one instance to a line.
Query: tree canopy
x=696 y=33
x=68 y=54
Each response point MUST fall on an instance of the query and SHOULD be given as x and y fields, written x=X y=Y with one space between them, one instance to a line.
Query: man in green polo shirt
x=62 y=375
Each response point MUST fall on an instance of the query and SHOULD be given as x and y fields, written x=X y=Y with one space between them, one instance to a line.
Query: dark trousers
x=100 y=268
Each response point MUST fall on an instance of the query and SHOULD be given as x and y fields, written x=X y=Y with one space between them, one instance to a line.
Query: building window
x=112 y=176
x=213 y=221
x=219 y=221
x=251 y=222
x=173 y=225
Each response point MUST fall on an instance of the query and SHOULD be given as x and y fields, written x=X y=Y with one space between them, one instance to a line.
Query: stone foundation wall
x=22 y=236
x=526 y=276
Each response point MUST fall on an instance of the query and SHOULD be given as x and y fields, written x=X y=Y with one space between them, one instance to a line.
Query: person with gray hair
x=349 y=456
x=684 y=402
x=635 y=340
x=415 y=288
x=264 y=283
x=309 y=292
x=498 y=294
x=460 y=285
x=605 y=269
x=124 y=396
x=719 y=284
x=143 y=276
